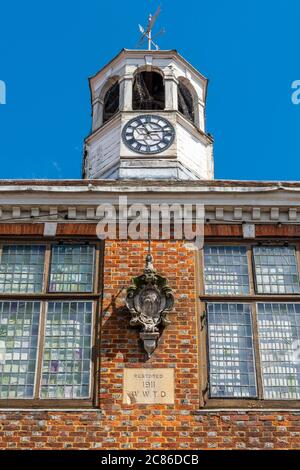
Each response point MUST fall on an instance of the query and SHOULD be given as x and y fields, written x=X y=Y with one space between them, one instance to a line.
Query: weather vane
x=147 y=34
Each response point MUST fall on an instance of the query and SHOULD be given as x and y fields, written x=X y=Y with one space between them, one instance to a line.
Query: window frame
x=46 y=296
x=252 y=298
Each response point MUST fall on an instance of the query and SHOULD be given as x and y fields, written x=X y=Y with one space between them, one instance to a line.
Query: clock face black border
x=148 y=152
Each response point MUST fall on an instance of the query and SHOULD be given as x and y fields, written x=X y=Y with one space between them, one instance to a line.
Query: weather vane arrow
x=147 y=33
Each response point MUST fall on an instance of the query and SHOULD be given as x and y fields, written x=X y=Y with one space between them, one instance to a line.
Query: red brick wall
x=117 y=426
x=147 y=428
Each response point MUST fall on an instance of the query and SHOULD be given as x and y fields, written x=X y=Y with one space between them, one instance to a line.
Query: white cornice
x=140 y=186
x=224 y=201
x=172 y=53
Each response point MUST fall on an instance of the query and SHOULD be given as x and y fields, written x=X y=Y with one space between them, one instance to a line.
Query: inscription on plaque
x=148 y=386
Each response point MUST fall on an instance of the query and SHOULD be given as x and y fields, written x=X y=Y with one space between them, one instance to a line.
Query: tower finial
x=147 y=34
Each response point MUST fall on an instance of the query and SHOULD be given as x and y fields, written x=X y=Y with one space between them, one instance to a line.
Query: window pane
x=22 y=268
x=72 y=268
x=67 y=350
x=276 y=270
x=231 y=357
x=19 y=325
x=226 y=270
x=279 y=339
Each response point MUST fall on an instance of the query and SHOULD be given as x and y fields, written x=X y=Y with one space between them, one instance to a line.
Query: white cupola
x=148 y=119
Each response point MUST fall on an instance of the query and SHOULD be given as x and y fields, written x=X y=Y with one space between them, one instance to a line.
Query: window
x=226 y=270
x=22 y=268
x=276 y=270
x=46 y=342
x=252 y=312
x=67 y=350
x=72 y=268
x=231 y=350
x=279 y=344
x=148 y=91
x=19 y=327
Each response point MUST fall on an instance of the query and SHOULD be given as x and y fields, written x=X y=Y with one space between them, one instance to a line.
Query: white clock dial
x=148 y=134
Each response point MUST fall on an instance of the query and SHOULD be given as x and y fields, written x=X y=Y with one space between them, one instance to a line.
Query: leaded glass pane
x=67 y=350
x=231 y=356
x=279 y=340
x=19 y=327
x=22 y=268
x=276 y=270
x=72 y=268
x=226 y=270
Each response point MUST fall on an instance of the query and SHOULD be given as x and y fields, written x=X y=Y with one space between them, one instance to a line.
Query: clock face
x=148 y=134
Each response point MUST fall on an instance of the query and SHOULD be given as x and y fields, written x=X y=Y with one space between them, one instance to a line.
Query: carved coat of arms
x=149 y=300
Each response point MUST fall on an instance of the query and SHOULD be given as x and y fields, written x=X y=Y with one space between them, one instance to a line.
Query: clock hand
x=142 y=126
x=151 y=131
x=149 y=134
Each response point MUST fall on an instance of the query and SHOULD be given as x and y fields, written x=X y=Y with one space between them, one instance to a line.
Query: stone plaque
x=148 y=386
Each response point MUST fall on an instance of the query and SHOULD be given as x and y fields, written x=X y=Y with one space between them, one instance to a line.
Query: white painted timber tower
x=148 y=119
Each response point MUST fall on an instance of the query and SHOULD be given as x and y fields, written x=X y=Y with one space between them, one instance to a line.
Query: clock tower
x=148 y=119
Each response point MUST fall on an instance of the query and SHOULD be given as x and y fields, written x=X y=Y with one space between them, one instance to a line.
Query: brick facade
x=149 y=428
x=113 y=425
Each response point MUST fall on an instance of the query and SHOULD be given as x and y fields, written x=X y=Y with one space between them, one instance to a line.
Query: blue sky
x=248 y=49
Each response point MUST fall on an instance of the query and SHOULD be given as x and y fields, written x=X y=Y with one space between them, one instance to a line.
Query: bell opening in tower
x=185 y=102
x=111 y=102
x=148 y=91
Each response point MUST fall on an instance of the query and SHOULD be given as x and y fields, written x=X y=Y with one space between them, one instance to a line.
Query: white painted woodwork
x=219 y=213
x=104 y=151
x=237 y=213
x=248 y=230
x=192 y=151
x=46 y=201
x=53 y=212
x=292 y=214
x=72 y=212
x=50 y=229
x=171 y=97
x=274 y=213
x=256 y=213
x=16 y=211
x=90 y=213
x=35 y=211
x=125 y=101
x=97 y=118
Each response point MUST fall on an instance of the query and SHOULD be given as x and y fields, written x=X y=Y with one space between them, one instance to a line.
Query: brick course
x=149 y=428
